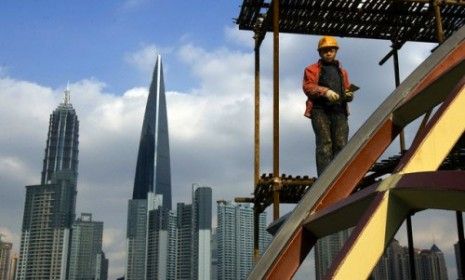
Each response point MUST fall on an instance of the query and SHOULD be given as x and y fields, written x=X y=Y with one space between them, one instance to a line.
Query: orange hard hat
x=327 y=42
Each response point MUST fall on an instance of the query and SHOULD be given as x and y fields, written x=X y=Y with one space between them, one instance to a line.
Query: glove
x=331 y=95
x=349 y=96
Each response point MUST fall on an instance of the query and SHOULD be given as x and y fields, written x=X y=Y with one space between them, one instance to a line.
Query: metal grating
x=395 y=20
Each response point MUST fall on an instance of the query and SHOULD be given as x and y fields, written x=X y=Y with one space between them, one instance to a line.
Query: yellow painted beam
x=374 y=234
x=440 y=139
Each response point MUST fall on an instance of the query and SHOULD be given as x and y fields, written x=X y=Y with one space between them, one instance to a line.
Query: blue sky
x=76 y=39
x=107 y=50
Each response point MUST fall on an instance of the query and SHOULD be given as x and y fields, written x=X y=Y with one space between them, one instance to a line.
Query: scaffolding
x=349 y=177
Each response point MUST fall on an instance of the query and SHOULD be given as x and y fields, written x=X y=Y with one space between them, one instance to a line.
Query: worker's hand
x=331 y=95
x=349 y=96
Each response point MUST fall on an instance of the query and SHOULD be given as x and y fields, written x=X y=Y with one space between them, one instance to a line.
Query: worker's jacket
x=311 y=88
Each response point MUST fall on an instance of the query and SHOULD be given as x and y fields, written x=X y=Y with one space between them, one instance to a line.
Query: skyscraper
x=49 y=209
x=235 y=239
x=194 y=235
x=153 y=171
x=5 y=252
x=85 y=259
x=153 y=176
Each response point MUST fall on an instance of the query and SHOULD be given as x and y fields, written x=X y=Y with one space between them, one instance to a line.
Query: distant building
x=50 y=207
x=326 y=250
x=161 y=242
x=458 y=260
x=184 y=241
x=235 y=239
x=394 y=264
x=87 y=260
x=101 y=265
x=136 y=235
x=214 y=249
x=432 y=264
x=5 y=254
x=194 y=235
x=13 y=267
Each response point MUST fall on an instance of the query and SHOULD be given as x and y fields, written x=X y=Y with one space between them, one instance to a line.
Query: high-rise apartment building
x=136 y=235
x=235 y=239
x=86 y=257
x=194 y=235
x=161 y=243
x=5 y=253
x=184 y=241
x=214 y=248
x=50 y=207
x=431 y=264
x=394 y=264
x=326 y=250
x=152 y=182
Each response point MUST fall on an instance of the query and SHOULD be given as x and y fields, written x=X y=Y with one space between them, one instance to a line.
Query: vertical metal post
x=397 y=80
x=461 y=243
x=256 y=251
x=411 y=252
x=438 y=19
x=276 y=181
x=257 y=114
x=256 y=234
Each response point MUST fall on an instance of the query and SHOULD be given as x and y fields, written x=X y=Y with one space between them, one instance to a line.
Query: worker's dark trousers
x=331 y=132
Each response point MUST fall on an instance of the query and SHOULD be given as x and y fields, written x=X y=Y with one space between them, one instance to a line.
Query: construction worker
x=326 y=85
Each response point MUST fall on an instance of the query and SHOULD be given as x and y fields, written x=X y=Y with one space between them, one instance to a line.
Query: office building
x=153 y=169
x=5 y=254
x=161 y=243
x=235 y=239
x=86 y=257
x=214 y=250
x=102 y=264
x=49 y=209
x=153 y=175
x=194 y=235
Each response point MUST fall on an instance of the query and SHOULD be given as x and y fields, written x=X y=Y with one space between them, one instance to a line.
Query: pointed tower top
x=67 y=95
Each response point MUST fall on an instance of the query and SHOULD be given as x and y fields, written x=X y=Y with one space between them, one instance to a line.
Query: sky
x=106 y=51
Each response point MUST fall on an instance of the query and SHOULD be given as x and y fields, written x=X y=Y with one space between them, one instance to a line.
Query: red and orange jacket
x=311 y=88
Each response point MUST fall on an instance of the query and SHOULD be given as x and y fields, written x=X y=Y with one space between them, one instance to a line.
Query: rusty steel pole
x=276 y=180
x=438 y=19
x=256 y=251
x=397 y=81
x=257 y=114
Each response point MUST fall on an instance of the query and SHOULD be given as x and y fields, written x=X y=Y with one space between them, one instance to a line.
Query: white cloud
x=239 y=37
x=144 y=58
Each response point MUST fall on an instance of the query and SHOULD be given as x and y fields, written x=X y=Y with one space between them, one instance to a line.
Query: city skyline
x=107 y=52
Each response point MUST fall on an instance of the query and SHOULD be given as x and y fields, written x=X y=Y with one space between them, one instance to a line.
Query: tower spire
x=67 y=95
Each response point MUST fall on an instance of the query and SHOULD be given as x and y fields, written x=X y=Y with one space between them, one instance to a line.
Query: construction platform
x=355 y=190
